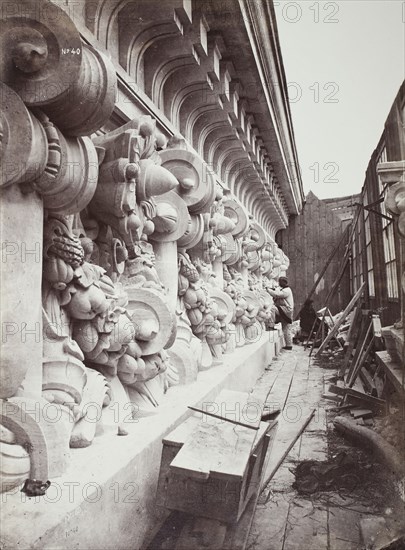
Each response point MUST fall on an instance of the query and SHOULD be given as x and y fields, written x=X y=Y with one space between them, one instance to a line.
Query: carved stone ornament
x=238 y=214
x=171 y=219
x=46 y=63
x=152 y=319
x=23 y=142
x=196 y=184
x=42 y=52
x=147 y=270
x=393 y=173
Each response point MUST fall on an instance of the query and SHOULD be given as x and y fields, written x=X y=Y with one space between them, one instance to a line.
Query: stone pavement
x=285 y=520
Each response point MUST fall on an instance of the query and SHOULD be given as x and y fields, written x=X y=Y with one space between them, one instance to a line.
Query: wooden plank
x=360 y=357
x=215 y=446
x=278 y=394
x=361 y=361
x=219 y=417
x=234 y=462
x=237 y=534
x=358 y=339
x=361 y=413
x=358 y=386
x=339 y=390
x=303 y=533
x=345 y=259
x=375 y=404
x=331 y=397
x=343 y=528
x=341 y=408
x=352 y=337
x=319 y=331
x=354 y=325
x=368 y=382
x=178 y=436
x=346 y=312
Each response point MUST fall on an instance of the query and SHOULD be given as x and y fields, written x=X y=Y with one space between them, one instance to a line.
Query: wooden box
x=211 y=467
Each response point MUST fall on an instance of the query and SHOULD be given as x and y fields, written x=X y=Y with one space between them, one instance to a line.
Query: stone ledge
x=394 y=342
x=106 y=499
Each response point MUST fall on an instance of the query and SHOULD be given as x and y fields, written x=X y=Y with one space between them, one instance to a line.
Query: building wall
x=343 y=207
x=308 y=241
x=377 y=253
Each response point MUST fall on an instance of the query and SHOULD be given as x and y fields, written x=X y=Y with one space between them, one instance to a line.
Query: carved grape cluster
x=68 y=248
x=190 y=272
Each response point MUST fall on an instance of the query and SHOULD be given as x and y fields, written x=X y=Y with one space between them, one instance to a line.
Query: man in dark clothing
x=308 y=317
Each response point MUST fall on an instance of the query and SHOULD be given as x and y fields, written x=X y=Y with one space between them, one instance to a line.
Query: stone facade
x=147 y=163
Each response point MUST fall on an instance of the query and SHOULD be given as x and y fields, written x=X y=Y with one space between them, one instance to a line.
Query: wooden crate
x=211 y=468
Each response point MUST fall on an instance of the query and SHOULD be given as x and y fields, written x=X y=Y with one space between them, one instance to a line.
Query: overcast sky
x=344 y=63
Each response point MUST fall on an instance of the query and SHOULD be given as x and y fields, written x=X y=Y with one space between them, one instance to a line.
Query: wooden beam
x=352 y=337
x=362 y=357
x=374 y=403
x=340 y=322
x=219 y=417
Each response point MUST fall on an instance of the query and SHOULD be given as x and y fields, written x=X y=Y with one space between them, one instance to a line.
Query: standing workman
x=284 y=302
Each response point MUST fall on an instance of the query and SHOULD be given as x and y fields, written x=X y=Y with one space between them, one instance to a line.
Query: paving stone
x=344 y=533
x=280 y=445
x=314 y=446
x=374 y=532
x=269 y=523
x=307 y=527
x=319 y=422
x=284 y=478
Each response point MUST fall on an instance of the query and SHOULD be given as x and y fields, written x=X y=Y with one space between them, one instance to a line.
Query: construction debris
x=341 y=472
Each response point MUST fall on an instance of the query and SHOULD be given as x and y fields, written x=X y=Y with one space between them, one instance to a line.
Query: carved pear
x=134 y=350
x=127 y=369
x=191 y=297
x=122 y=333
x=130 y=369
x=195 y=316
x=57 y=272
